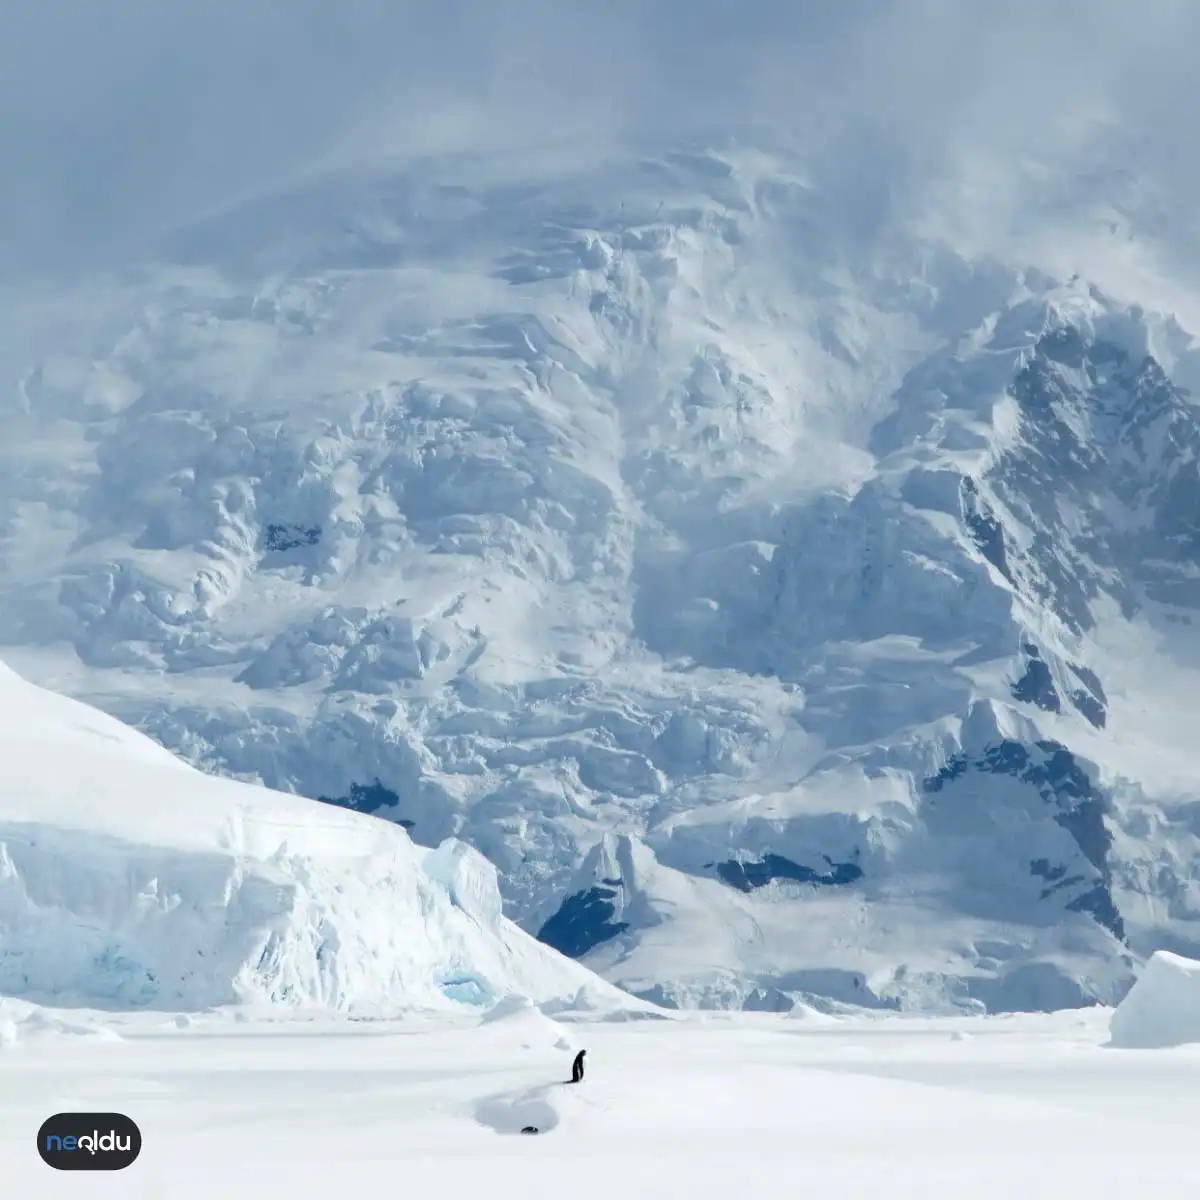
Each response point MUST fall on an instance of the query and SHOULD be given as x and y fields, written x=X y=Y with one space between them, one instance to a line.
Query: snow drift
x=130 y=879
x=1162 y=1008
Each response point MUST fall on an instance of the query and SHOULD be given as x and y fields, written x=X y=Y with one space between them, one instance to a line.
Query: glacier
x=129 y=880
x=792 y=601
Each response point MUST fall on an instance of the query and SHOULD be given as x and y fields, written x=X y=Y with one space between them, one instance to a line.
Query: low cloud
x=130 y=116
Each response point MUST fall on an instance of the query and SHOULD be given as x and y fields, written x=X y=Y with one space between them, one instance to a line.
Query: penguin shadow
x=527 y=1112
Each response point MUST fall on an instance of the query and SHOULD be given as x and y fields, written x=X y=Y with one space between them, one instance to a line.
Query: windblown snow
x=129 y=879
x=790 y=597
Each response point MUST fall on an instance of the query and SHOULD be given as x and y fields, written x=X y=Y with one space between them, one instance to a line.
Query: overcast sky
x=119 y=116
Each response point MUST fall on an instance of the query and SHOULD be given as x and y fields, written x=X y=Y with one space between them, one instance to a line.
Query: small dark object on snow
x=530 y=1129
x=577 y=1067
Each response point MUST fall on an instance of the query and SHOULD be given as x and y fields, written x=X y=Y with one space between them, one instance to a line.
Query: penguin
x=577 y=1067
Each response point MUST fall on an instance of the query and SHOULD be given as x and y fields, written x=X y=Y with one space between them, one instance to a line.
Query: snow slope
x=1163 y=1006
x=790 y=592
x=128 y=879
x=703 y=1105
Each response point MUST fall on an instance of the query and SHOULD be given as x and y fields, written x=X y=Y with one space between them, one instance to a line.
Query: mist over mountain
x=739 y=474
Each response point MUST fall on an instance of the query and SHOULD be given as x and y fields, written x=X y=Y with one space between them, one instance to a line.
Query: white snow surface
x=1163 y=1006
x=791 y=594
x=705 y=1105
x=129 y=879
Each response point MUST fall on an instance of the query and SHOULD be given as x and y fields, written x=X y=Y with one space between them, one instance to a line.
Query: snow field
x=699 y=1106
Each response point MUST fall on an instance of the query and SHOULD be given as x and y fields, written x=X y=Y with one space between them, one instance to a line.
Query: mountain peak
x=659 y=527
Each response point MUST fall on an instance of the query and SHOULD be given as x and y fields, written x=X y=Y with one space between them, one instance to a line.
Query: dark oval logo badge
x=89 y=1141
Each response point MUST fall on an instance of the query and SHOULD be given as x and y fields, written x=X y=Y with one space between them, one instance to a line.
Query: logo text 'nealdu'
x=89 y=1141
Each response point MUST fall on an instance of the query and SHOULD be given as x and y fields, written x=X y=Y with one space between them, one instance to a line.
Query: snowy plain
x=704 y=1105
x=275 y=991
x=291 y=999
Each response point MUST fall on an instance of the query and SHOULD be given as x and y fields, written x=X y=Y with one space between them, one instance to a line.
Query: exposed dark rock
x=746 y=876
x=767 y=1000
x=367 y=798
x=1099 y=903
x=956 y=766
x=1089 y=708
x=280 y=536
x=1043 y=870
x=1064 y=346
x=1089 y=700
x=985 y=529
x=583 y=921
x=1080 y=808
x=1055 y=876
x=1090 y=680
x=1036 y=686
x=1098 y=428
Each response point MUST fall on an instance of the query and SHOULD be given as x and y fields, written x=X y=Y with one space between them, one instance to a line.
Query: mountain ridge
x=729 y=567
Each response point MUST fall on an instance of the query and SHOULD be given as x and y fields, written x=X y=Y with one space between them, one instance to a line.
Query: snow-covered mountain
x=129 y=879
x=788 y=595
